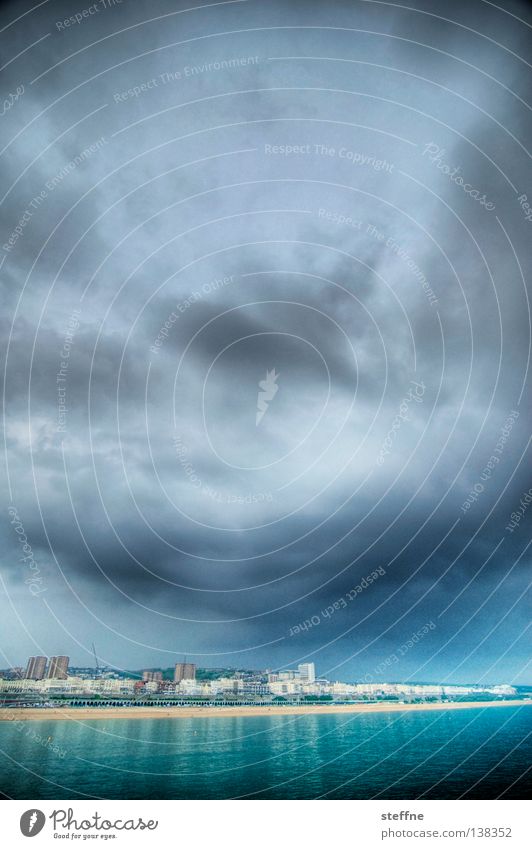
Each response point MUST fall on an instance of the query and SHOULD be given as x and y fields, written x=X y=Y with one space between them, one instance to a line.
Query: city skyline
x=253 y=686
x=186 y=671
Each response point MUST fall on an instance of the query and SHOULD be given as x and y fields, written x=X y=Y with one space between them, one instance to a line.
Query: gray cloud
x=177 y=522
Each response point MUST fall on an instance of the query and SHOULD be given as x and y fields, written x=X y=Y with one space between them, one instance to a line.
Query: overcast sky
x=330 y=194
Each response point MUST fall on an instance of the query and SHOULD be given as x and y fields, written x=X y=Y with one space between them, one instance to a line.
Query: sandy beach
x=82 y=714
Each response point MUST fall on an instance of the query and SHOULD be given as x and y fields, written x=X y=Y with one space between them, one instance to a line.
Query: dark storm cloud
x=177 y=508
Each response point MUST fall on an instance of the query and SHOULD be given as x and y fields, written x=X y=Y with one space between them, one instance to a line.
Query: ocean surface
x=482 y=753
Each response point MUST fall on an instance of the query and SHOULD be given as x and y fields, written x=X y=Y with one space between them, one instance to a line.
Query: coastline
x=81 y=714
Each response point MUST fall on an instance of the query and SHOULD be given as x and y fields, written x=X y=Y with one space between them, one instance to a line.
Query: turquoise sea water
x=480 y=753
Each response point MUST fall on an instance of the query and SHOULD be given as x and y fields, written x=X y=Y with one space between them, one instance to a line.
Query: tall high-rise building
x=149 y=675
x=307 y=672
x=58 y=667
x=184 y=672
x=36 y=668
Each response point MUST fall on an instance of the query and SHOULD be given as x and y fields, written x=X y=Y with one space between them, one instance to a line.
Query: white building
x=307 y=672
x=71 y=686
x=234 y=686
x=503 y=690
x=190 y=687
x=285 y=688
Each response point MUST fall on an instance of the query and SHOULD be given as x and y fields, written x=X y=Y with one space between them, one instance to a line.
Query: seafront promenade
x=9 y=714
